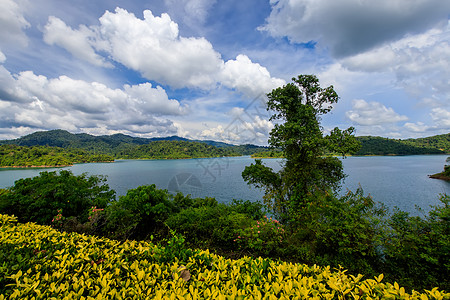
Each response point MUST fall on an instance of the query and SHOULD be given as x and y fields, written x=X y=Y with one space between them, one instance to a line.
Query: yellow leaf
x=379 y=278
x=423 y=297
x=140 y=275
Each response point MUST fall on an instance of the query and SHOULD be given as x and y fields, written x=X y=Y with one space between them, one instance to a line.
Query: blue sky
x=200 y=68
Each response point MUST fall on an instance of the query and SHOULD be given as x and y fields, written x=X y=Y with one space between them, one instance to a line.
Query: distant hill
x=116 y=144
x=119 y=144
x=65 y=139
x=39 y=156
x=175 y=149
x=439 y=144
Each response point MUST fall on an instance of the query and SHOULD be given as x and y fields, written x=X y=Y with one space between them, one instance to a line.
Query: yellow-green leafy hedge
x=38 y=262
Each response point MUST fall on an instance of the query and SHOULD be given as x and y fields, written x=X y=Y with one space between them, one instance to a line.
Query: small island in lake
x=443 y=175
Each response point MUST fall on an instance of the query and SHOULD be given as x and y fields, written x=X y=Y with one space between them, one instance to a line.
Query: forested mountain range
x=121 y=145
x=124 y=146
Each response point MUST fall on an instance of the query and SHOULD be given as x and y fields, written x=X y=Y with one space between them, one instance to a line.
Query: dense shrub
x=139 y=213
x=337 y=231
x=209 y=226
x=254 y=210
x=417 y=249
x=38 y=199
x=265 y=237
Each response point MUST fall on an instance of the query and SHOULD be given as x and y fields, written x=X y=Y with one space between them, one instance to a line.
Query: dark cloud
x=351 y=27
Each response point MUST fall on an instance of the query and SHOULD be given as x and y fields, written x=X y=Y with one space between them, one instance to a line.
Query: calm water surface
x=400 y=181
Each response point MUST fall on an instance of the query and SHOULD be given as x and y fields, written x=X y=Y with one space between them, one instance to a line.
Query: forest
x=439 y=144
x=119 y=144
x=175 y=150
x=38 y=156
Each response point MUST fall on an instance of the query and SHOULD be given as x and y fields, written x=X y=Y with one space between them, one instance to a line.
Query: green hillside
x=384 y=146
x=64 y=139
x=441 y=142
x=22 y=156
x=174 y=149
x=119 y=145
x=125 y=146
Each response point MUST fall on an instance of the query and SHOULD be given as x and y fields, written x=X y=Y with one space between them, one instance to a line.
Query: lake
x=400 y=181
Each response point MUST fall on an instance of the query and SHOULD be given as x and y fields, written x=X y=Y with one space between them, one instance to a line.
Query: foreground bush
x=40 y=198
x=139 y=213
x=38 y=262
x=418 y=248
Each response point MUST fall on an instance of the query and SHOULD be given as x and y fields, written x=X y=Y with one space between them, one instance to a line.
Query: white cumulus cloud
x=35 y=101
x=373 y=113
x=250 y=78
x=153 y=47
x=12 y=24
x=80 y=43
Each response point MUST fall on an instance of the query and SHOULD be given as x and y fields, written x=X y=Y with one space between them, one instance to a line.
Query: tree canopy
x=22 y=156
x=307 y=170
x=39 y=198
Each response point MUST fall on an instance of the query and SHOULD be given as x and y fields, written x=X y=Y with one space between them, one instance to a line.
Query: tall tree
x=308 y=169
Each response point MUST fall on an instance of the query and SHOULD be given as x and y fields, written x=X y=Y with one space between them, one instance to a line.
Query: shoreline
x=440 y=176
x=51 y=166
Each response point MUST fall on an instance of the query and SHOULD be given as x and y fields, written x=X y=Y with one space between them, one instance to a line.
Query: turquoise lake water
x=400 y=181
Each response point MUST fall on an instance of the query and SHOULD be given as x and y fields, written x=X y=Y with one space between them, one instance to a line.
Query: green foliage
x=440 y=142
x=340 y=231
x=141 y=211
x=300 y=105
x=121 y=146
x=417 y=249
x=274 y=153
x=22 y=156
x=253 y=209
x=385 y=146
x=264 y=237
x=65 y=139
x=38 y=199
x=174 y=149
x=209 y=226
x=38 y=262
x=447 y=167
x=173 y=249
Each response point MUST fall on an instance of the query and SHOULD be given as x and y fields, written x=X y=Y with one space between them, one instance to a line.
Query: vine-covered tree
x=308 y=170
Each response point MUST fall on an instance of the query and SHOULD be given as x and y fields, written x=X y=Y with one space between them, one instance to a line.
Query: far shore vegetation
x=58 y=148
x=13 y=156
